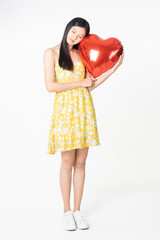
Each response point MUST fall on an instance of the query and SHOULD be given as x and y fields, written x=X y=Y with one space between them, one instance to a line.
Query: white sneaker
x=68 y=221
x=80 y=220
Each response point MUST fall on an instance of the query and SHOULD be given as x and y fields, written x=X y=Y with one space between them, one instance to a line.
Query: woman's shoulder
x=52 y=51
x=50 y=54
x=49 y=51
x=56 y=47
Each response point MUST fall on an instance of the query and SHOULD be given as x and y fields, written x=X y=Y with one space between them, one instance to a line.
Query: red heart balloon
x=99 y=55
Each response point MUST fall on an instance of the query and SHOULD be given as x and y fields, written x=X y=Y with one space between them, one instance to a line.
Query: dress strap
x=56 y=51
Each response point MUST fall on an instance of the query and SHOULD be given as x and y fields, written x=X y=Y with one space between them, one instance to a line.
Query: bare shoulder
x=49 y=52
x=57 y=47
x=50 y=56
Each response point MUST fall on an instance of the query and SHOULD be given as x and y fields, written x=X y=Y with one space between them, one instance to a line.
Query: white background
x=122 y=186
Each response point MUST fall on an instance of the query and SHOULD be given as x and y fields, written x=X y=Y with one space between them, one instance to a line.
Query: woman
x=73 y=127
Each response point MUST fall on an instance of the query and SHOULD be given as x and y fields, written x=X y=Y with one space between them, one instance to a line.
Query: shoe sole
x=83 y=228
x=72 y=229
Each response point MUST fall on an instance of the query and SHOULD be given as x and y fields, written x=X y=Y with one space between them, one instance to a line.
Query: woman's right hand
x=88 y=82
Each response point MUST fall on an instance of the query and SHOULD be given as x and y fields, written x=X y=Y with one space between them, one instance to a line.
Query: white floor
x=32 y=210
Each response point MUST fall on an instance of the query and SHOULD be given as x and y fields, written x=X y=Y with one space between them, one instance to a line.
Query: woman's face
x=75 y=35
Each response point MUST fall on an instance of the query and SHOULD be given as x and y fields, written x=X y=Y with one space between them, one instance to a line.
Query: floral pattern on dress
x=73 y=122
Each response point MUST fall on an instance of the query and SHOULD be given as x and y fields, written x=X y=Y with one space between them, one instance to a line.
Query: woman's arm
x=101 y=79
x=50 y=82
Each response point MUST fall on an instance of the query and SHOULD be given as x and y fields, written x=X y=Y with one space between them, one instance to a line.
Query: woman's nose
x=74 y=38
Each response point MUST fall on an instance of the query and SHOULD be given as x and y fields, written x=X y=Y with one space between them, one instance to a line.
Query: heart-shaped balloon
x=99 y=55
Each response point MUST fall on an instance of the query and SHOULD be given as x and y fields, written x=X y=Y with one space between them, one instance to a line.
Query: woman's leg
x=79 y=176
x=68 y=159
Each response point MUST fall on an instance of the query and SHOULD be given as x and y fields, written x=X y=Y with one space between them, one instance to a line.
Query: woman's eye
x=75 y=32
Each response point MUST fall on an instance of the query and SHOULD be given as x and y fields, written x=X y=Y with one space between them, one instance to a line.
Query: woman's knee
x=80 y=164
x=81 y=156
x=68 y=159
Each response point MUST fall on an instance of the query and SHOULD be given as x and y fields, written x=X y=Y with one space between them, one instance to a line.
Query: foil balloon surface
x=99 y=55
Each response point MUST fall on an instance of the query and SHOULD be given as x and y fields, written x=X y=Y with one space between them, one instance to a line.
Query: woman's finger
x=93 y=78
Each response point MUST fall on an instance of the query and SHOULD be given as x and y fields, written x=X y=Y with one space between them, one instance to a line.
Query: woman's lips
x=71 y=40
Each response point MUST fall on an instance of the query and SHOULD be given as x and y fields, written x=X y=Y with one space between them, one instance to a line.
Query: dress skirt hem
x=80 y=147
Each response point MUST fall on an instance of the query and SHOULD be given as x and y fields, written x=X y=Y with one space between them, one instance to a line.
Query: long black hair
x=65 y=60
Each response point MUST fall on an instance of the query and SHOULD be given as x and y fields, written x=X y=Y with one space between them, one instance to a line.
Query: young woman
x=73 y=127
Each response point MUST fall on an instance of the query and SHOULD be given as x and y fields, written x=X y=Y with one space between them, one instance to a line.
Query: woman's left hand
x=118 y=63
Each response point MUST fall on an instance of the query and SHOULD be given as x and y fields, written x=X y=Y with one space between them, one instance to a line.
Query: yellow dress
x=73 y=123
